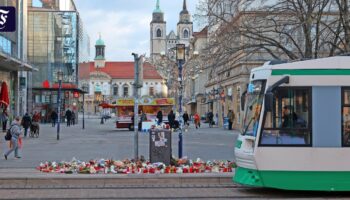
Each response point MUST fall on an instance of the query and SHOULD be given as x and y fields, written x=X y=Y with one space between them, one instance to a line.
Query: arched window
x=186 y=33
x=159 y=33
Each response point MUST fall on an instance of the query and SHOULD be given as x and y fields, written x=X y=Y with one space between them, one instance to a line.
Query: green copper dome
x=100 y=42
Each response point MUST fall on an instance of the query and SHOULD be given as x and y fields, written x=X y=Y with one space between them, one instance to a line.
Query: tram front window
x=254 y=97
x=289 y=121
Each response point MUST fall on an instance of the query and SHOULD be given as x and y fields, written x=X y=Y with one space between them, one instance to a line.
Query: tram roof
x=336 y=62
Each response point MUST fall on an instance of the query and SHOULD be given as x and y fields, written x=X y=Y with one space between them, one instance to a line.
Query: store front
x=45 y=101
x=9 y=70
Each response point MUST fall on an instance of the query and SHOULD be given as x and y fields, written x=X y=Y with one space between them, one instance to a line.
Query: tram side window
x=290 y=121
x=346 y=117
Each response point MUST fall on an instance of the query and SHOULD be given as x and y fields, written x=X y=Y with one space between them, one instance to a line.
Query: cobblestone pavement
x=105 y=141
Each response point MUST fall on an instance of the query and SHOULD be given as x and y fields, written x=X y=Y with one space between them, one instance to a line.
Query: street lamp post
x=84 y=90
x=59 y=77
x=136 y=106
x=180 y=57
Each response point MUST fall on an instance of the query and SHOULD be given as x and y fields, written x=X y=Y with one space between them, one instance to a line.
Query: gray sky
x=125 y=24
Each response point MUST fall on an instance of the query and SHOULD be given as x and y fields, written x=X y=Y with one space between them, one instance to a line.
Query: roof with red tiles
x=118 y=70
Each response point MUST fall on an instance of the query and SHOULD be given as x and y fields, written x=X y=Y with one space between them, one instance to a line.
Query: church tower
x=184 y=26
x=157 y=33
x=100 y=53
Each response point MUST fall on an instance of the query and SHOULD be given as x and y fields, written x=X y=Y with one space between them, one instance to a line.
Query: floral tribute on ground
x=141 y=166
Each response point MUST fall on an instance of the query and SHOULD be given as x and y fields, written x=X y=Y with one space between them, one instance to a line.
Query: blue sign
x=7 y=19
x=251 y=88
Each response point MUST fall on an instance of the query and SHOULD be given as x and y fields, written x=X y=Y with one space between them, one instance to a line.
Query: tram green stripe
x=295 y=180
x=307 y=72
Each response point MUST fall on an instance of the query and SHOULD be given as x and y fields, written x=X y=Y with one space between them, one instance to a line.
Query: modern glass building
x=56 y=42
x=13 y=60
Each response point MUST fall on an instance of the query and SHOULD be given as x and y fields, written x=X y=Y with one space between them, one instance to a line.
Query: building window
x=289 y=123
x=159 y=33
x=115 y=90
x=186 y=33
x=5 y=45
x=126 y=91
x=151 y=91
x=346 y=116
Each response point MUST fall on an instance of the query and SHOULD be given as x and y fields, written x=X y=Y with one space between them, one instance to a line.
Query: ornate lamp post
x=59 y=78
x=180 y=57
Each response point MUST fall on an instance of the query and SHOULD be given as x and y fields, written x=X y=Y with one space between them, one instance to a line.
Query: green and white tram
x=296 y=132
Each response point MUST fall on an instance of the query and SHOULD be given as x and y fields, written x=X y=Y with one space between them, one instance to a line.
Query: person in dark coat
x=54 y=117
x=171 y=119
x=26 y=122
x=186 y=118
x=68 y=117
x=160 y=117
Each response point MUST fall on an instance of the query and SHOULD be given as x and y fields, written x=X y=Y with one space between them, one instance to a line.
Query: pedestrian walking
x=210 y=117
x=143 y=118
x=15 y=131
x=160 y=117
x=54 y=117
x=26 y=122
x=231 y=118
x=68 y=116
x=197 y=121
x=4 y=118
x=36 y=117
x=186 y=118
x=171 y=118
x=73 y=118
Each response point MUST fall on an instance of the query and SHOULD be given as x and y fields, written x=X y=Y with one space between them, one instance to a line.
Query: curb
x=28 y=178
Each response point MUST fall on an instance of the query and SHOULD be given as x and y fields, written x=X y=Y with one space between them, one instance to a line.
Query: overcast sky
x=125 y=24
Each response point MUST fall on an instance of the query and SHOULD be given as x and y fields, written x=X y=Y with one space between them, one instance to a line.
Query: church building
x=108 y=81
x=162 y=43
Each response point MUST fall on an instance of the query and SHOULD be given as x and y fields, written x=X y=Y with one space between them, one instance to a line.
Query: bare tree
x=287 y=29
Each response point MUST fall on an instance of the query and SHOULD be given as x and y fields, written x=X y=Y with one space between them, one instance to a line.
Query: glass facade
x=57 y=41
x=8 y=40
x=52 y=46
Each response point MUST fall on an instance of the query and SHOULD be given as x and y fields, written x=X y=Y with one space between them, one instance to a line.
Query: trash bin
x=160 y=145
x=225 y=123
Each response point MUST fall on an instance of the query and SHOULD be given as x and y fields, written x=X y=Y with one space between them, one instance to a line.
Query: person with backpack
x=15 y=131
x=26 y=122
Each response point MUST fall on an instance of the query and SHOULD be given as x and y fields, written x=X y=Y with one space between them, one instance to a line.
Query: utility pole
x=136 y=106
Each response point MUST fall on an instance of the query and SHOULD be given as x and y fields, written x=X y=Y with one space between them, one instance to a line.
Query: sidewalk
x=105 y=141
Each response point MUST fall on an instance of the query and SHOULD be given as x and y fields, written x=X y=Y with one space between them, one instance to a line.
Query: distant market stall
x=150 y=106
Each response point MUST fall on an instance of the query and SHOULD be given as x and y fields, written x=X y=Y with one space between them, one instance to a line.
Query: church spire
x=157 y=10
x=184 y=5
x=184 y=9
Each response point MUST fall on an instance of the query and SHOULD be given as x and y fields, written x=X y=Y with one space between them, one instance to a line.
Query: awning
x=9 y=63
x=62 y=89
x=191 y=102
x=4 y=95
x=208 y=102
